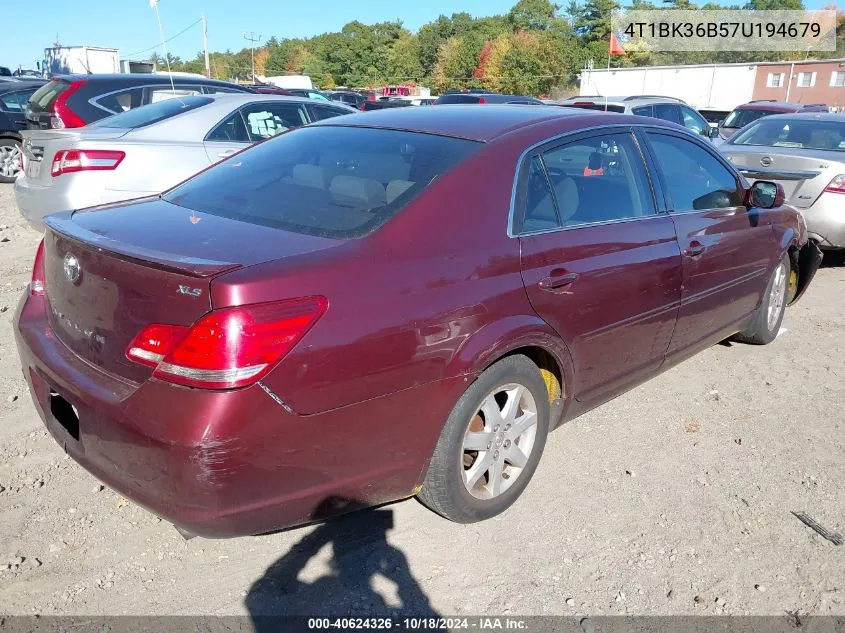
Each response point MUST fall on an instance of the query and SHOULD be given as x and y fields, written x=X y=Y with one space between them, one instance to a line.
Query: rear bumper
x=229 y=463
x=826 y=220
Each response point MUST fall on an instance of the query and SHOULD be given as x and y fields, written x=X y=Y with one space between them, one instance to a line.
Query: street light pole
x=252 y=39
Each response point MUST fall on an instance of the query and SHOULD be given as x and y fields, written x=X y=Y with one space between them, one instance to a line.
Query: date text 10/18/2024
x=481 y=623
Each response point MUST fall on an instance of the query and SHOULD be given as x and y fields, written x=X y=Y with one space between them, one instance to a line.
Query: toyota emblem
x=73 y=271
x=766 y=161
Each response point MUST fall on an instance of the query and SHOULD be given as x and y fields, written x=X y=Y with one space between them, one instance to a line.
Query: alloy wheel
x=499 y=441
x=777 y=296
x=10 y=160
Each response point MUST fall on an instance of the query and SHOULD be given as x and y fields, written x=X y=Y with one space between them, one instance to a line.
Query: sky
x=130 y=25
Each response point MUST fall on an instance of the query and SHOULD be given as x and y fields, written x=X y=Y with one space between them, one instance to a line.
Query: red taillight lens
x=837 y=185
x=36 y=285
x=72 y=160
x=482 y=100
x=227 y=348
x=63 y=116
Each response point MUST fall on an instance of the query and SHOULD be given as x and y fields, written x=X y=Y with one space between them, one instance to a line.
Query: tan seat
x=350 y=191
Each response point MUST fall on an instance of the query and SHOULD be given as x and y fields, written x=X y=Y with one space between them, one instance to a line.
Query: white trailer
x=704 y=87
x=81 y=60
x=288 y=81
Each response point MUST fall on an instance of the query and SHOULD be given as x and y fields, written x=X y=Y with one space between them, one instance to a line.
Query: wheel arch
x=532 y=337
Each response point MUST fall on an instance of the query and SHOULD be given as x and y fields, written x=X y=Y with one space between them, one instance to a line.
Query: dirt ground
x=673 y=499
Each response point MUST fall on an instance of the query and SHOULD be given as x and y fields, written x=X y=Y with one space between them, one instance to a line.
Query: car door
x=599 y=264
x=227 y=137
x=727 y=249
x=12 y=106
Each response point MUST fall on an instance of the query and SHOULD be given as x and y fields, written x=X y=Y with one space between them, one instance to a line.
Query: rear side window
x=644 y=111
x=694 y=178
x=153 y=113
x=164 y=93
x=328 y=181
x=45 y=96
x=122 y=100
x=595 y=179
x=16 y=101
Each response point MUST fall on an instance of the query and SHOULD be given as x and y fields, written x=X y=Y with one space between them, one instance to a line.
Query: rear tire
x=491 y=443
x=766 y=322
x=10 y=159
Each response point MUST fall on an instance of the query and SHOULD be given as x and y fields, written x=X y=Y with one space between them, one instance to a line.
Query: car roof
x=144 y=78
x=809 y=116
x=776 y=106
x=483 y=123
x=20 y=84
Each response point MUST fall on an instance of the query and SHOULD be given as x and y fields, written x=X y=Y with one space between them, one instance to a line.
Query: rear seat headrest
x=309 y=176
x=354 y=191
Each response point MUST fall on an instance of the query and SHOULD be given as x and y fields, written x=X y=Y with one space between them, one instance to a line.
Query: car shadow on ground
x=362 y=560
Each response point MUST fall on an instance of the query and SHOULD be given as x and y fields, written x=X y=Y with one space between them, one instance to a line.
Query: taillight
x=72 y=160
x=227 y=348
x=482 y=100
x=36 y=284
x=63 y=116
x=837 y=185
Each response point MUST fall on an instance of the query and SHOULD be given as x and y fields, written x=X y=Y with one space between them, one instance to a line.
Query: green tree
x=527 y=15
x=403 y=60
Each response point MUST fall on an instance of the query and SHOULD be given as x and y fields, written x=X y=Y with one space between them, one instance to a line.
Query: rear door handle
x=227 y=152
x=694 y=249
x=557 y=279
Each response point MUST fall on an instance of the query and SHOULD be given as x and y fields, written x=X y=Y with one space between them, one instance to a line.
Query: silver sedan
x=150 y=149
x=805 y=153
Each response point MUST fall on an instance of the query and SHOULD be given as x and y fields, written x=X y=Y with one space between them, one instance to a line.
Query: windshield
x=800 y=133
x=153 y=113
x=329 y=181
x=741 y=118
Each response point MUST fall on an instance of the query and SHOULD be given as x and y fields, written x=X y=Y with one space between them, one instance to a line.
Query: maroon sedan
x=392 y=304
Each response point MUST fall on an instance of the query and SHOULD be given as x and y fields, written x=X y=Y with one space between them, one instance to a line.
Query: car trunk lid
x=112 y=271
x=41 y=146
x=802 y=176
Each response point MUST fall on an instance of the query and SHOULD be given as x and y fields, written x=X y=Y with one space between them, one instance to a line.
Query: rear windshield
x=741 y=118
x=339 y=182
x=798 y=133
x=153 y=113
x=447 y=99
x=595 y=106
x=46 y=94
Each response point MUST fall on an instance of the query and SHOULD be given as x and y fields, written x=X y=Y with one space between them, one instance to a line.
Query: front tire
x=765 y=324
x=10 y=159
x=491 y=443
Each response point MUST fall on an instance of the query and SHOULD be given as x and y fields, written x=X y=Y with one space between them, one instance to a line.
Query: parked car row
x=235 y=351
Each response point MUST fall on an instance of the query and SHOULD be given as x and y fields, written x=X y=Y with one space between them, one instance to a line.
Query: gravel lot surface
x=673 y=499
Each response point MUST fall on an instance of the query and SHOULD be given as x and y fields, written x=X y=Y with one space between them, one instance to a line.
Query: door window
x=668 y=112
x=122 y=100
x=694 y=121
x=594 y=179
x=540 y=211
x=231 y=130
x=326 y=112
x=16 y=101
x=266 y=120
x=695 y=179
x=644 y=111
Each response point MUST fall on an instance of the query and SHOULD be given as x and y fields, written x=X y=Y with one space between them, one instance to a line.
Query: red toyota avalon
x=392 y=304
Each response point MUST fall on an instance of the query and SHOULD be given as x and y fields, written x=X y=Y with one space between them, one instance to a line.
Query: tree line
x=537 y=48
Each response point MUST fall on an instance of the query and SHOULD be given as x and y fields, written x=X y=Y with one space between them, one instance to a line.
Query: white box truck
x=80 y=60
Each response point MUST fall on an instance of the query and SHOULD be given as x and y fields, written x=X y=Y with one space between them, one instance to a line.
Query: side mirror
x=713 y=132
x=764 y=195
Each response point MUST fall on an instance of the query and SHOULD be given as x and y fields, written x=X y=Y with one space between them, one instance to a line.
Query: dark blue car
x=14 y=95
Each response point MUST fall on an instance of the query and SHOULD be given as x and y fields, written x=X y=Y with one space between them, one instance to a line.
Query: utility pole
x=252 y=39
x=205 y=46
